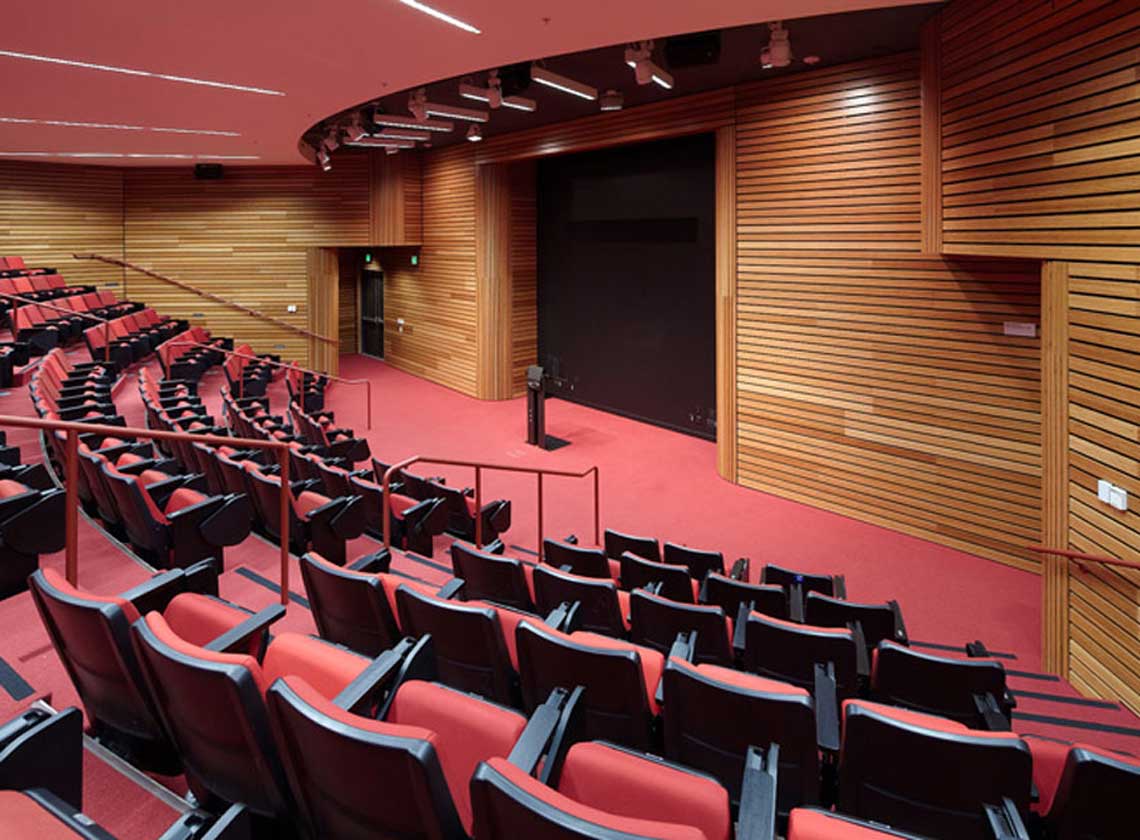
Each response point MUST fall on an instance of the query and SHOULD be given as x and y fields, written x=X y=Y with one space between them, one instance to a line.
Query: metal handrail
x=106 y=322
x=71 y=476
x=479 y=467
x=209 y=295
x=367 y=383
x=1080 y=558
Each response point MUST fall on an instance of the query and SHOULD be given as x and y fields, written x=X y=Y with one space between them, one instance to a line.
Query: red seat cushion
x=740 y=679
x=615 y=822
x=59 y=582
x=309 y=501
x=10 y=488
x=326 y=667
x=470 y=730
x=400 y=503
x=153 y=476
x=628 y=785
x=812 y=628
x=183 y=497
x=199 y=619
x=808 y=824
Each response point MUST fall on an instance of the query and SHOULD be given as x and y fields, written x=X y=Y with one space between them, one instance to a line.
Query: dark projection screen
x=626 y=280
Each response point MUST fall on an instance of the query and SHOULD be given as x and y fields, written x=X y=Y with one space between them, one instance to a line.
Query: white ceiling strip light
x=130 y=155
x=438 y=15
x=562 y=83
x=129 y=71
x=117 y=127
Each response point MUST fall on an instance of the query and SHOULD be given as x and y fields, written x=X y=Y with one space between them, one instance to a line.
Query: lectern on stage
x=536 y=381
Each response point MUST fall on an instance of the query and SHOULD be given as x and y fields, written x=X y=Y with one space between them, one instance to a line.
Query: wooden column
x=726 y=302
x=493 y=292
x=323 y=276
x=1055 y=464
x=395 y=198
x=931 y=177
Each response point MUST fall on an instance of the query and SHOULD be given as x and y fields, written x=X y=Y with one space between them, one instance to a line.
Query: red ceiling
x=324 y=56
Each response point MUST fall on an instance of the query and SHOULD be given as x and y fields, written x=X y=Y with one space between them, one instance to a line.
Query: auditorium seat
x=415 y=524
x=473 y=641
x=970 y=691
x=32 y=512
x=730 y=595
x=601 y=606
x=783 y=650
x=305 y=388
x=712 y=715
x=337 y=443
x=699 y=563
x=616 y=544
x=602 y=791
x=1086 y=793
x=492 y=577
x=669 y=581
x=656 y=622
x=878 y=622
x=212 y=703
x=586 y=562
x=177 y=526
x=799 y=584
x=90 y=634
x=461 y=513
x=405 y=775
x=928 y=774
x=355 y=606
x=620 y=679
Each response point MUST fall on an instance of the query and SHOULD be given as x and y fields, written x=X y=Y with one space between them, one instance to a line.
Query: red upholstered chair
x=670 y=581
x=783 y=650
x=354 y=607
x=492 y=577
x=415 y=524
x=474 y=641
x=927 y=774
x=799 y=584
x=970 y=691
x=602 y=791
x=496 y=514
x=656 y=622
x=712 y=715
x=817 y=824
x=730 y=594
x=213 y=705
x=586 y=562
x=91 y=635
x=602 y=607
x=620 y=679
x=407 y=775
x=31 y=510
x=186 y=527
x=879 y=622
x=616 y=544
x=1086 y=793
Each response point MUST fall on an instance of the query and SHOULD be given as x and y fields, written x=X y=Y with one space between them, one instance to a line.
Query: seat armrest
x=450 y=589
x=684 y=648
x=826 y=708
x=563 y=617
x=233 y=640
x=839 y=583
x=155 y=594
x=379 y=561
x=360 y=695
x=1004 y=821
x=758 y=794
x=796 y=603
x=571 y=728
x=543 y=724
x=862 y=657
x=740 y=627
x=900 y=626
x=990 y=714
x=740 y=569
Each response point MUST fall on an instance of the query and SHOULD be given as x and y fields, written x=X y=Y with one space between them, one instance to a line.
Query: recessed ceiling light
x=475 y=133
x=166 y=77
x=438 y=15
x=558 y=82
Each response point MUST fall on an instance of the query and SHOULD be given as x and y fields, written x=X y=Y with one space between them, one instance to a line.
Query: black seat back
x=616 y=544
x=587 y=562
x=491 y=577
x=789 y=652
x=699 y=563
x=599 y=606
x=729 y=594
x=878 y=620
x=779 y=576
x=936 y=685
x=349 y=608
x=675 y=581
x=656 y=621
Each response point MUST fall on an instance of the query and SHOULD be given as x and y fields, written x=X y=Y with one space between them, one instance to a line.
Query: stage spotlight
x=417 y=104
x=475 y=133
x=611 y=100
x=778 y=53
x=639 y=56
x=324 y=160
x=554 y=80
x=493 y=94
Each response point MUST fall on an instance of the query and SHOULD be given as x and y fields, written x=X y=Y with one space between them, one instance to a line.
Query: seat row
x=63 y=320
x=302 y=734
x=131 y=337
x=31 y=510
x=190 y=353
x=247 y=374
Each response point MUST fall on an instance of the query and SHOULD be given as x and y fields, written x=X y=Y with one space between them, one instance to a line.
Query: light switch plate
x=1104 y=490
x=291 y=307
x=1118 y=498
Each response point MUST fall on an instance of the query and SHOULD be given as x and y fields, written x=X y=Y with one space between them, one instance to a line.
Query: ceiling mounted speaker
x=208 y=171
x=695 y=50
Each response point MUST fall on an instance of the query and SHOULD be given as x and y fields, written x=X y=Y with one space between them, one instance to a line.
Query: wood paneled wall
x=348 y=320
x=493 y=281
x=49 y=212
x=244 y=237
x=437 y=299
x=322 y=272
x=396 y=199
x=1040 y=146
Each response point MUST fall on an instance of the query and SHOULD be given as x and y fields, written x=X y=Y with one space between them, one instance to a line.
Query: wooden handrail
x=71 y=476
x=106 y=322
x=367 y=383
x=479 y=467
x=1080 y=558
x=209 y=296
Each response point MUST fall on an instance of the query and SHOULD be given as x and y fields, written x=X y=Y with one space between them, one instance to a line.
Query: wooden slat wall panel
x=396 y=199
x=49 y=212
x=871 y=380
x=1104 y=443
x=1041 y=130
x=348 y=319
x=437 y=299
x=493 y=281
x=323 y=276
x=726 y=302
x=524 y=273
x=702 y=112
x=243 y=237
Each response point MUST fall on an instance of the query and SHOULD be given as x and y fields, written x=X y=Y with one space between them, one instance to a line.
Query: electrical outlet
x=1118 y=498
x=1104 y=490
x=291 y=307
